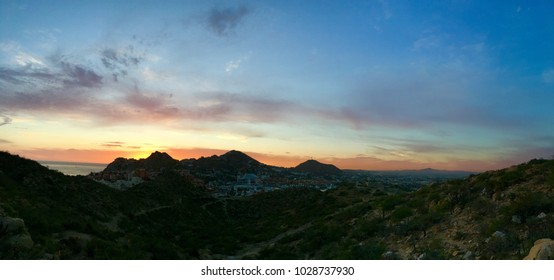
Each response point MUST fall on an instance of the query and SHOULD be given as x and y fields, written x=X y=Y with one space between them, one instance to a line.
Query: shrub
x=369 y=251
x=528 y=204
x=400 y=213
x=366 y=228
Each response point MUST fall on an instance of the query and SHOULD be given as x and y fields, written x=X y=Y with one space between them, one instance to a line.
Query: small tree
x=400 y=213
x=388 y=204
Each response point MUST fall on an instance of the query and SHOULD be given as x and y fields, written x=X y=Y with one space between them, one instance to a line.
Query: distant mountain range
x=236 y=161
x=417 y=172
x=230 y=162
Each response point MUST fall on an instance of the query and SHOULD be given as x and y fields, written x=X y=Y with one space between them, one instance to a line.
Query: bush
x=370 y=251
x=435 y=251
x=400 y=213
x=389 y=203
x=488 y=228
x=366 y=228
x=501 y=247
x=528 y=204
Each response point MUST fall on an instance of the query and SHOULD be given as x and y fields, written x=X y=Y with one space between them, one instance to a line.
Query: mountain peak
x=234 y=153
x=156 y=161
x=316 y=167
x=159 y=156
x=159 y=160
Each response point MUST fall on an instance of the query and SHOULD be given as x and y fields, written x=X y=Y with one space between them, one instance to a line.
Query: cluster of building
x=250 y=184
x=220 y=185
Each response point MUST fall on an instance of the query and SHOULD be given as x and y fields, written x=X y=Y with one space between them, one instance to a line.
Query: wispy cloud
x=64 y=75
x=236 y=107
x=113 y=144
x=233 y=65
x=118 y=61
x=28 y=60
x=80 y=76
x=5 y=120
x=20 y=57
x=223 y=21
x=26 y=76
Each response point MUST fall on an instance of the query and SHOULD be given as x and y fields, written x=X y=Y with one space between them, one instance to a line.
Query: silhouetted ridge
x=318 y=168
x=232 y=162
x=238 y=158
x=159 y=156
x=19 y=165
x=156 y=161
x=120 y=164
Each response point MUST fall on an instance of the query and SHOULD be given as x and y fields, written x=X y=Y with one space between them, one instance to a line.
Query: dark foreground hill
x=497 y=214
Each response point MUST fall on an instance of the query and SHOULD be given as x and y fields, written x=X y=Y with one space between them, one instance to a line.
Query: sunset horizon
x=106 y=157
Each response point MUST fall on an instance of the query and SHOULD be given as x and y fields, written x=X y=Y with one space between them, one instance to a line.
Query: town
x=237 y=174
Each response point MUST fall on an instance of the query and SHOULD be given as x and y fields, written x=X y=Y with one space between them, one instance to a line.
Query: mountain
x=155 y=162
x=159 y=161
x=316 y=168
x=225 y=168
x=230 y=161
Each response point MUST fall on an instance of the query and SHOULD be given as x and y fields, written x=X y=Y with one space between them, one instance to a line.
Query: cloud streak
x=113 y=144
x=79 y=76
x=4 y=120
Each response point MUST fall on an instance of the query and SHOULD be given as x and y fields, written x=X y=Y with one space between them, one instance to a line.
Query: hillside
x=317 y=168
x=493 y=215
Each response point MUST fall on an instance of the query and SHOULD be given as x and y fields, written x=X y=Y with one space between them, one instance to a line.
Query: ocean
x=74 y=168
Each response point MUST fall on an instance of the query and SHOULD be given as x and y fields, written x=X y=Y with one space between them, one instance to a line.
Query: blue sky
x=361 y=84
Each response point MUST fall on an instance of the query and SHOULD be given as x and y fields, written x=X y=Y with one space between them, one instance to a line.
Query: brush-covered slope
x=77 y=218
x=493 y=215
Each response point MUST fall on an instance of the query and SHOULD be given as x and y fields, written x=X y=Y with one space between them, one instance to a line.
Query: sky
x=375 y=85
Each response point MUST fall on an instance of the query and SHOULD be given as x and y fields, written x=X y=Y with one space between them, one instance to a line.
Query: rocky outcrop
x=15 y=240
x=542 y=250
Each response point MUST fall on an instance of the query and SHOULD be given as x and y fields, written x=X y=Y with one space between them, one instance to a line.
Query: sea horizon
x=73 y=168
